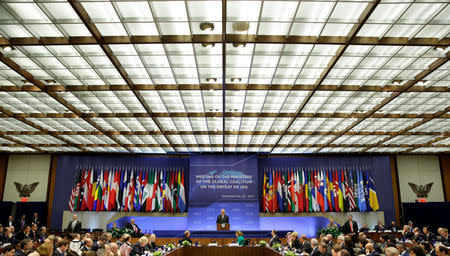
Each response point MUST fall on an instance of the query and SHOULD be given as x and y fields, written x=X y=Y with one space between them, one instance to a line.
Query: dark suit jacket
x=57 y=253
x=151 y=246
x=274 y=240
x=137 y=250
x=430 y=237
x=130 y=226
x=296 y=244
x=393 y=228
x=21 y=235
x=364 y=230
x=306 y=247
x=19 y=253
x=408 y=236
x=374 y=253
x=185 y=239
x=221 y=220
x=34 y=234
x=77 y=228
x=346 y=227
x=36 y=221
x=315 y=252
x=379 y=228
x=18 y=223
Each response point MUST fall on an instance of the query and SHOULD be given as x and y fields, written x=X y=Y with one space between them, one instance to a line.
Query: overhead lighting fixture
x=236 y=79
x=440 y=48
x=211 y=79
x=421 y=82
x=241 y=26
x=208 y=45
x=7 y=48
x=50 y=82
x=207 y=26
x=239 y=45
x=396 y=82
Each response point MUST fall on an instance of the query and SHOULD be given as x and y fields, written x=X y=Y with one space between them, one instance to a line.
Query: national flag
x=160 y=202
x=310 y=191
x=137 y=192
x=296 y=192
x=264 y=202
x=85 y=190
x=314 y=182
x=75 y=194
x=146 y=192
x=270 y=194
x=292 y=191
x=373 y=199
x=174 y=191
x=153 y=196
x=361 y=197
x=274 y=190
x=301 y=193
x=349 y=191
x=168 y=194
x=288 y=191
x=280 y=192
x=182 y=200
x=329 y=191
x=90 y=194
x=324 y=189
x=366 y=190
x=99 y=193
x=340 y=192
x=124 y=189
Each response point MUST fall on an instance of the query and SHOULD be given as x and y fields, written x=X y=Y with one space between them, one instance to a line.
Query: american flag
x=73 y=202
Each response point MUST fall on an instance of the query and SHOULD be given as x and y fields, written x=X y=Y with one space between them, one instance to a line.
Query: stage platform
x=305 y=223
x=218 y=234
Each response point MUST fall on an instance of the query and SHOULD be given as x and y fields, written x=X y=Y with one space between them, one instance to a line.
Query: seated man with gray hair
x=139 y=247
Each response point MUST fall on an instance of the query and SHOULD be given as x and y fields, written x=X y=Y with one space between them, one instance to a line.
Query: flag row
x=318 y=191
x=158 y=190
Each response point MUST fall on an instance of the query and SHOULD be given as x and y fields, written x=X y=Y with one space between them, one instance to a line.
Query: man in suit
x=305 y=246
x=10 y=222
x=407 y=234
x=35 y=219
x=25 y=245
x=100 y=243
x=61 y=248
x=34 y=233
x=393 y=227
x=364 y=229
x=24 y=234
x=441 y=250
x=135 y=228
x=74 y=226
x=139 y=247
x=323 y=249
x=445 y=240
x=315 y=248
x=402 y=249
x=222 y=218
x=331 y=225
x=350 y=226
x=87 y=245
x=370 y=251
x=379 y=227
x=275 y=239
x=22 y=222
x=427 y=235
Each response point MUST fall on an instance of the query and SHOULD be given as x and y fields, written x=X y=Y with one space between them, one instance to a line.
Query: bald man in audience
x=391 y=251
x=370 y=251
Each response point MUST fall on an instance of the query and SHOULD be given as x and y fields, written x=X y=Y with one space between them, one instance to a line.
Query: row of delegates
x=8 y=234
x=23 y=221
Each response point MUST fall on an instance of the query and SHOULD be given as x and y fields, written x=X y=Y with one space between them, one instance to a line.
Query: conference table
x=223 y=251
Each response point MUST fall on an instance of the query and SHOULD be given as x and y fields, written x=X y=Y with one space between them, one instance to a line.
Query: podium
x=225 y=227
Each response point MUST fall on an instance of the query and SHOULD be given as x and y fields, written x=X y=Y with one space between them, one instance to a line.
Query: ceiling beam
x=39 y=84
x=18 y=142
x=99 y=39
x=38 y=127
x=434 y=66
x=230 y=38
x=140 y=133
x=430 y=143
x=250 y=87
x=362 y=146
x=218 y=114
x=416 y=124
x=351 y=35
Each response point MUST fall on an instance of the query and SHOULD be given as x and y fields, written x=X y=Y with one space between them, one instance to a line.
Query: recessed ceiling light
x=208 y=45
x=396 y=82
x=241 y=26
x=7 y=48
x=236 y=79
x=239 y=45
x=440 y=48
x=50 y=82
x=421 y=82
x=206 y=26
x=211 y=79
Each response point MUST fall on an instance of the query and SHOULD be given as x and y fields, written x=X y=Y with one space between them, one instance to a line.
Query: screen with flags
x=293 y=189
x=149 y=189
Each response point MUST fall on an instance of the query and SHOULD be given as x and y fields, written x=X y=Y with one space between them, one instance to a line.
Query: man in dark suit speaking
x=74 y=226
x=350 y=226
x=222 y=218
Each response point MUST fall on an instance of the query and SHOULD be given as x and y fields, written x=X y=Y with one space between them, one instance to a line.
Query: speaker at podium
x=223 y=226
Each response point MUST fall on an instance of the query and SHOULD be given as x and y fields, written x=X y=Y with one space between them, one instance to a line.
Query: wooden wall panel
x=445 y=174
x=3 y=168
x=51 y=188
x=396 y=189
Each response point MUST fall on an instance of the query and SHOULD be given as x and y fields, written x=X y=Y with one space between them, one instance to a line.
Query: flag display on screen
x=149 y=190
x=299 y=190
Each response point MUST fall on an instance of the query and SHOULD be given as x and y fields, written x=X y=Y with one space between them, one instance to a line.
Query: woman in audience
x=240 y=238
x=126 y=247
x=46 y=249
x=295 y=244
